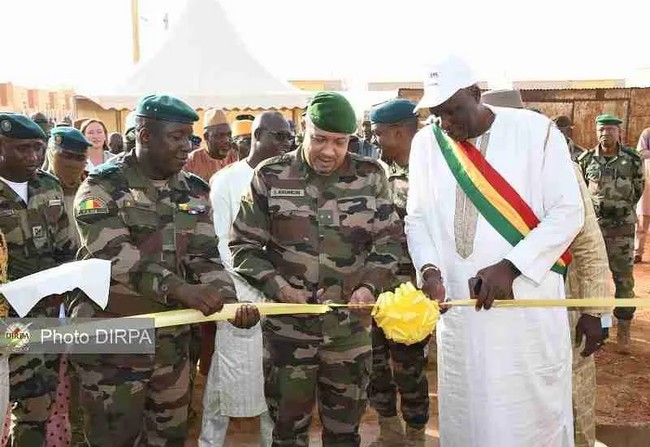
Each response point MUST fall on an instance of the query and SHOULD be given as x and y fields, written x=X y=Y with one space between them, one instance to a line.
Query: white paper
x=93 y=276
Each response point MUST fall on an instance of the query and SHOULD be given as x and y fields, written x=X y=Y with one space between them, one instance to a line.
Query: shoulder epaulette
x=585 y=154
x=632 y=152
x=104 y=170
x=48 y=176
x=370 y=160
x=278 y=159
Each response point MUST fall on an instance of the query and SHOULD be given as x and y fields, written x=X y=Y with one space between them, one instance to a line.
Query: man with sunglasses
x=235 y=385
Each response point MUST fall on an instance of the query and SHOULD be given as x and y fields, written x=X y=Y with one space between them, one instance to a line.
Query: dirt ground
x=624 y=380
x=623 y=386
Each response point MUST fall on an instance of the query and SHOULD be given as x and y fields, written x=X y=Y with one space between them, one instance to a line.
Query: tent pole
x=135 y=19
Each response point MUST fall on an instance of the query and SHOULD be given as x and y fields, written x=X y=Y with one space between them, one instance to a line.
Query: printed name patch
x=286 y=192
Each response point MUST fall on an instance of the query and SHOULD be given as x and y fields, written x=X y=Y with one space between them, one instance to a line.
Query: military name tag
x=5 y=213
x=286 y=192
x=55 y=202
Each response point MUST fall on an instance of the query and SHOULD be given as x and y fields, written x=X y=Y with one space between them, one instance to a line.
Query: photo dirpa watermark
x=78 y=335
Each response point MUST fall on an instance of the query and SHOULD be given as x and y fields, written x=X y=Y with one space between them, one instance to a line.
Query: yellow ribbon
x=191 y=316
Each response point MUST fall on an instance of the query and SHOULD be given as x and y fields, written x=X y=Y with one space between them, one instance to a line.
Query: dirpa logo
x=17 y=337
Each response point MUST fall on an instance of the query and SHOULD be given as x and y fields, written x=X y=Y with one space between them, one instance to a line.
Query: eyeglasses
x=282 y=136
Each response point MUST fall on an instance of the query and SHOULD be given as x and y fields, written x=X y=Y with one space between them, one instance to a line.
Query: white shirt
x=18 y=188
x=226 y=189
x=504 y=374
x=235 y=385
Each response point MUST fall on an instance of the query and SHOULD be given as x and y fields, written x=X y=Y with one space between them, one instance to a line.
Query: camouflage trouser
x=196 y=342
x=583 y=392
x=33 y=380
x=620 y=251
x=409 y=375
x=327 y=356
x=142 y=404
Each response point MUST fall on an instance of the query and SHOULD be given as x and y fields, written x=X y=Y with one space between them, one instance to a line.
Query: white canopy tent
x=204 y=62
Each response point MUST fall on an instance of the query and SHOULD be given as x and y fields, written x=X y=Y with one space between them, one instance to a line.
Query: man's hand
x=433 y=288
x=360 y=299
x=493 y=283
x=291 y=295
x=590 y=328
x=246 y=317
x=202 y=297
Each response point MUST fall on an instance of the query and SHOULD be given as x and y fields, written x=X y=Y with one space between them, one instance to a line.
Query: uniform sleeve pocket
x=11 y=227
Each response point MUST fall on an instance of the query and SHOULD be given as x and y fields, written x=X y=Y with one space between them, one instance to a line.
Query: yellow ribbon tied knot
x=406 y=316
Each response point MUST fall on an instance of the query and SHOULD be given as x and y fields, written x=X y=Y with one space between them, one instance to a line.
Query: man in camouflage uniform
x=318 y=225
x=154 y=222
x=35 y=223
x=394 y=125
x=614 y=175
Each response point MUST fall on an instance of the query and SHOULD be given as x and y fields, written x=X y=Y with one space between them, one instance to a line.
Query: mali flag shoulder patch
x=92 y=205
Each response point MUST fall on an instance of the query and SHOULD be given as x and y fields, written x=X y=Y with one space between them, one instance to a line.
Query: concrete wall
x=54 y=104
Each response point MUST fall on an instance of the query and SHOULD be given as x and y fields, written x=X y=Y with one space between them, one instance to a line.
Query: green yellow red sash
x=494 y=198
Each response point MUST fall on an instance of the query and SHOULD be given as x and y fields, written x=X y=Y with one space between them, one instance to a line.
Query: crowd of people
x=487 y=201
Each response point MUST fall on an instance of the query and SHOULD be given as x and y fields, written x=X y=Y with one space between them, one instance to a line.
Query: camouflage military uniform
x=38 y=239
x=616 y=184
x=408 y=361
x=316 y=232
x=158 y=237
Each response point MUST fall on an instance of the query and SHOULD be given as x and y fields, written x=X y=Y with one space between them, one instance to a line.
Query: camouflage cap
x=16 y=125
x=608 y=118
x=166 y=108
x=331 y=112
x=69 y=139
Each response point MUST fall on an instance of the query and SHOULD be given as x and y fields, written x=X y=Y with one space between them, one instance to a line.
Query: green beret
x=69 y=139
x=166 y=108
x=608 y=118
x=393 y=111
x=331 y=112
x=15 y=125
